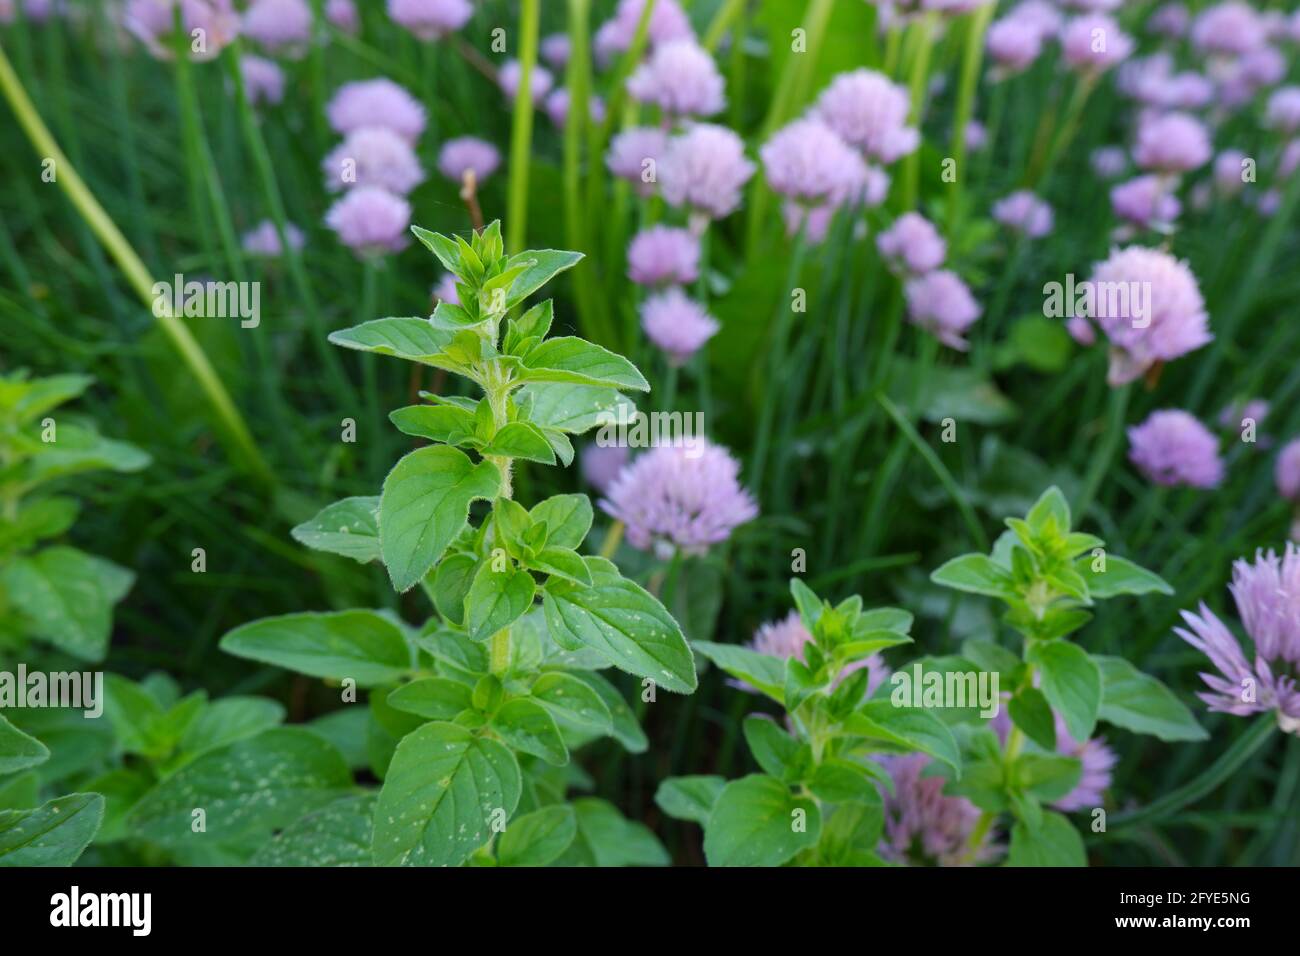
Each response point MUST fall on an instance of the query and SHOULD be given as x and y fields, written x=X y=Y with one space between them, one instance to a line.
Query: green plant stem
x=521 y=128
x=1117 y=407
x=923 y=31
x=940 y=470
x=235 y=430
x=1260 y=732
x=977 y=25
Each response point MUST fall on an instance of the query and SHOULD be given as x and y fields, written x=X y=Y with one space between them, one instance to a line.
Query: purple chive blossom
x=601 y=464
x=1171 y=20
x=445 y=290
x=370 y=220
x=862 y=184
x=1228 y=168
x=378 y=102
x=150 y=21
x=1267 y=595
x=1093 y=44
x=1172 y=448
x=35 y=11
x=941 y=303
x=1098 y=763
x=806 y=161
x=1041 y=15
x=1228 y=28
x=263 y=240
x=1283 y=111
x=704 y=168
x=870 y=114
x=667 y=22
x=263 y=80
x=343 y=14
x=555 y=50
x=682 y=497
x=663 y=255
x=912 y=244
x=924 y=827
x=373 y=156
x=677 y=324
x=681 y=79
x=465 y=153
x=430 y=19
x=1287 y=471
x=1145 y=202
x=557 y=107
x=1014 y=44
x=634 y=155
x=1289 y=161
x=1025 y=213
x=1236 y=415
x=1109 y=161
x=1173 y=143
x=511 y=74
x=279 y=26
x=1081 y=330
x=787 y=638
x=976 y=136
x=1174 y=322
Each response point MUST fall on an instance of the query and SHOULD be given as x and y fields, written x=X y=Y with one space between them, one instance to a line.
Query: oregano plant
x=818 y=800
x=1049 y=576
x=475 y=709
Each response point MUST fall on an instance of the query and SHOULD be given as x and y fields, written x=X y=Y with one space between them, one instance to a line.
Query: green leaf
x=1054 y=843
x=545 y=264
x=568 y=519
x=757 y=821
x=689 y=798
x=626 y=730
x=442 y=789
x=77 y=450
x=436 y=698
x=496 y=600
x=229 y=719
x=1047 y=776
x=425 y=504
x=575 y=409
x=1071 y=683
x=534 y=323
x=451 y=583
x=1051 y=505
x=25 y=401
x=837 y=780
x=349 y=527
x=763 y=672
x=68 y=596
x=54 y=834
x=579 y=362
x=1140 y=703
x=776 y=752
x=989 y=656
x=37 y=520
x=851 y=834
x=628 y=625
x=521 y=440
x=976 y=574
x=445 y=249
x=561 y=563
x=528 y=726
x=253 y=785
x=1030 y=712
x=363 y=645
x=572 y=702
x=607 y=838
x=449 y=424
x=538 y=838
x=18 y=751
x=1120 y=577
x=335 y=835
x=416 y=340
x=907 y=727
